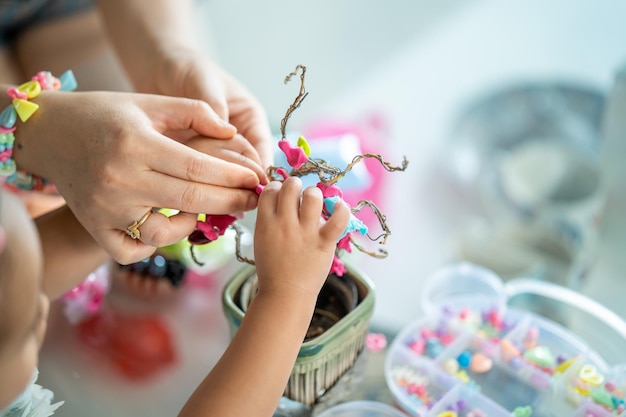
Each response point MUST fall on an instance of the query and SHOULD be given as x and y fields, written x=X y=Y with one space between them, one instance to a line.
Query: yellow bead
x=304 y=145
x=590 y=375
x=31 y=88
x=24 y=108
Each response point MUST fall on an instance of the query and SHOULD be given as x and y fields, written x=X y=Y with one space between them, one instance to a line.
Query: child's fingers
x=336 y=224
x=311 y=207
x=289 y=198
x=268 y=201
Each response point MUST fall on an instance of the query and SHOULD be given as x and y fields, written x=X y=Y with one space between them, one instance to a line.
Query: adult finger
x=194 y=197
x=236 y=150
x=160 y=230
x=177 y=113
x=180 y=161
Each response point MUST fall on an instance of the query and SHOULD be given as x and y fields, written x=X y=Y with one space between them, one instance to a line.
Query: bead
x=540 y=356
x=24 y=108
x=7 y=168
x=610 y=386
x=523 y=411
x=508 y=350
x=480 y=363
x=8 y=117
x=464 y=359
x=563 y=366
x=589 y=374
x=304 y=145
x=602 y=397
x=448 y=413
x=7 y=139
x=433 y=348
x=418 y=346
x=68 y=81
x=31 y=88
x=462 y=375
x=450 y=366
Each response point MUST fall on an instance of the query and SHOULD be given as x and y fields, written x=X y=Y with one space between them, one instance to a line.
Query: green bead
x=541 y=356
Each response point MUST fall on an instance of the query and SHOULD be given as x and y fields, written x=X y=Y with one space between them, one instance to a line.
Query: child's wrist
x=22 y=106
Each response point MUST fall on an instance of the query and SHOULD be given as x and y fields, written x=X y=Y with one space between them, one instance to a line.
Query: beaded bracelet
x=23 y=108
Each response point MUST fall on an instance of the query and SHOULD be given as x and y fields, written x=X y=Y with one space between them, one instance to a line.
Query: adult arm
x=159 y=48
x=110 y=159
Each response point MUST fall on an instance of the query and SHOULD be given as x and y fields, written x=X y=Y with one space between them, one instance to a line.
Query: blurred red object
x=138 y=346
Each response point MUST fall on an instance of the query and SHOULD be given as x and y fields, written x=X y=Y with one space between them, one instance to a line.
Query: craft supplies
x=497 y=360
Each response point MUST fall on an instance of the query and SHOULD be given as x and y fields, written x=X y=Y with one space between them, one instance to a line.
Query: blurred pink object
x=370 y=134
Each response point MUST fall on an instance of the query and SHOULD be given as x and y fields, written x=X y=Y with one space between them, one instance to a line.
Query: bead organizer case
x=472 y=355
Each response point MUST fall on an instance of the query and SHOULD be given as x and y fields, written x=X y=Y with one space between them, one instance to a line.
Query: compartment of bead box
x=515 y=361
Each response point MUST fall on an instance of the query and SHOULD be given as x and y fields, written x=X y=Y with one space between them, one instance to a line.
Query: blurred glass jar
x=532 y=153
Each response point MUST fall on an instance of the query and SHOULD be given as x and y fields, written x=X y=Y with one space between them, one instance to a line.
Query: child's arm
x=293 y=252
x=70 y=253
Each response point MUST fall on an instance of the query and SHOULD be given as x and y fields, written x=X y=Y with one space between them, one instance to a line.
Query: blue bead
x=8 y=117
x=464 y=359
x=68 y=81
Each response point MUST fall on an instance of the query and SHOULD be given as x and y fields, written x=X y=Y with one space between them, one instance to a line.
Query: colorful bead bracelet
x=22 y=107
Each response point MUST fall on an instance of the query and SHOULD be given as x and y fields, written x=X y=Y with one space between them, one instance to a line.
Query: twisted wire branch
x=297 y=101
x=238 y=254
x=382 y=220
x=330 y=174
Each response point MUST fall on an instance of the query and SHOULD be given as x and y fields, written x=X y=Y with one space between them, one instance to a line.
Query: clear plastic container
x=362 y=409
x=499 y=358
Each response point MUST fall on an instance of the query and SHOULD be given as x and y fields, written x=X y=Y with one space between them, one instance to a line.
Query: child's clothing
x=15 y=15
x=34 y=401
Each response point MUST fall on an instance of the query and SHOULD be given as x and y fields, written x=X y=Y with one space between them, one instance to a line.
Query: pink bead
x=418 y=346
x=376 y=342
x=427 y=333
x=610 y=386
x=14 y=93
x=446 y=339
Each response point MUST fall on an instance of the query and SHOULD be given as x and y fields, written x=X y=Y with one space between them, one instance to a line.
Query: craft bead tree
x=302 y=163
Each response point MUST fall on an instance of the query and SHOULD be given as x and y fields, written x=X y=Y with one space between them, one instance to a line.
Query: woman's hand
x=162 y=54
x=186 y=73
x=110 y=159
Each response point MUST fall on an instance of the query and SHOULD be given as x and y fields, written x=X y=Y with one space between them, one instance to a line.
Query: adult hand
x=108 y=156
x=186 y=73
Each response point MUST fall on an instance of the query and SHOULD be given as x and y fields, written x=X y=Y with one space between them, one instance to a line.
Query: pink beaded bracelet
x=22 y=107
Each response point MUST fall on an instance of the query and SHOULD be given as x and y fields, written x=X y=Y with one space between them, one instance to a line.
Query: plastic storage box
x=473 y=355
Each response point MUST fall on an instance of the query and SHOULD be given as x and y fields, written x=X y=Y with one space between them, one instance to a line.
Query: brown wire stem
x=330 y=174
x=382 y=219
x=381 y=254
x=238 y=254
x=298 y=100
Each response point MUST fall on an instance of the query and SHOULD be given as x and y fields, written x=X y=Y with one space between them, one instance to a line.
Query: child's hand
x=293 y=246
